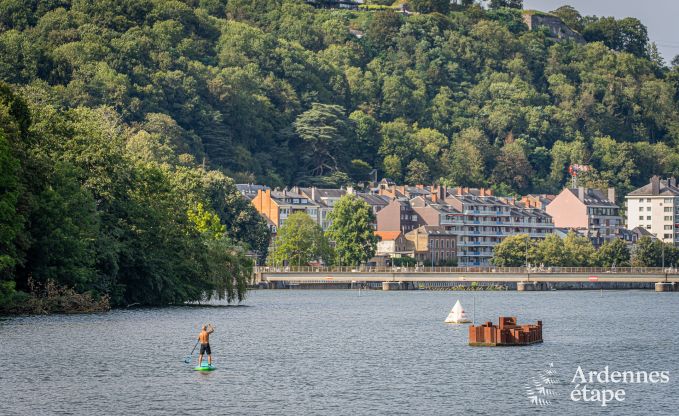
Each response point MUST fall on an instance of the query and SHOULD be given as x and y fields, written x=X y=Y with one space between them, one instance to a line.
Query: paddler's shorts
x=205 y=348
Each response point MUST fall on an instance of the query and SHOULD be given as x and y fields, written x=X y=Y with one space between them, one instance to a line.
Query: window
x=668 y=218
x=641 y=217
x=668 y=209
x=668 y=227
x=649 y=208
x=668 y=235
x=648 y=218
x=668 y=200
x=648 y=227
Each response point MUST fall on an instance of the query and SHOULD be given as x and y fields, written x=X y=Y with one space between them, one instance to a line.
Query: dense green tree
x=625 y=35
x=613 y=253
x=578 y=250
x=430 y=6
x=359 y=171
x=649 y=252
x=351 y=230
x=513 y=167
x=64 y=225
x=367 y=136
x=393 y=168
x=514 y=4
x=324 y=130
x=418 y=173
x=466 y=160
x=514 y=251
x=11 y=222
x=300 y=241
x=570 y=16
x=551 y=252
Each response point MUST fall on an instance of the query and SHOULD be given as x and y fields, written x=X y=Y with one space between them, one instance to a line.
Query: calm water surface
x=334 y=352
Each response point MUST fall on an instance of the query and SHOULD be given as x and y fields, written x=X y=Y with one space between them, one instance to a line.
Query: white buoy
x=457 y=315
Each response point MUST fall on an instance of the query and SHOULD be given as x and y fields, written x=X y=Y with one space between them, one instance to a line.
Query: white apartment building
x=487 y=220
x=655 y=207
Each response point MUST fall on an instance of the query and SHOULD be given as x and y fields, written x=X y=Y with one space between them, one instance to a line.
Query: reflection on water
x=335 y=352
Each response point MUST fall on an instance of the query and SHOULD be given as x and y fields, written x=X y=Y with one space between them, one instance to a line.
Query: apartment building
x=486 y=220
x=655 y=208
x=277 y=206
x=588 y=210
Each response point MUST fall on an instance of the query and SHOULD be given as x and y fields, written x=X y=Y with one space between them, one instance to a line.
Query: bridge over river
x=521 y=278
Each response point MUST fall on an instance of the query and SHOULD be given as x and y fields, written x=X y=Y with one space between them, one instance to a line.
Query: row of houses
x=440 y=225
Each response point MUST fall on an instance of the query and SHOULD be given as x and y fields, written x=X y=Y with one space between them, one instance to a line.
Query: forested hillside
x=121 y=117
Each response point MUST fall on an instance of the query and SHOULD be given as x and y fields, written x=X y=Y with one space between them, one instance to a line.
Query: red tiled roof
x=388 y=235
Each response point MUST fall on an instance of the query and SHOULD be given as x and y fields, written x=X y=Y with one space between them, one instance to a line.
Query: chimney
x=581 y=193
x=672 y=181
x=313 y=193
x=655 y=185
x=611 y=195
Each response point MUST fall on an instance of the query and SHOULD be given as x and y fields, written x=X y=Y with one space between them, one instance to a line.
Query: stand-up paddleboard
x=204 y=366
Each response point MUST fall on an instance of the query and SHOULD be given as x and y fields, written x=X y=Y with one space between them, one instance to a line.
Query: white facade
x=657 y=214
x=655 y=208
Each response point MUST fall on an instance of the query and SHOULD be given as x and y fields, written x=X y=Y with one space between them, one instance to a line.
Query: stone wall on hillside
x=556 y=26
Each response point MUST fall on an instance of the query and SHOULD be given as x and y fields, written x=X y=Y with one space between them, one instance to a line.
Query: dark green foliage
x=626 y=35
x=430 y=6
x=650 y=252
x=107 y=211
x=514 y=4
x=351 y=230
x=11 y=222
x=254 y=88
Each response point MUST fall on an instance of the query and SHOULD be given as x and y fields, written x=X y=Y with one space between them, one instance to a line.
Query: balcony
x=477 y=243
x=474 y=254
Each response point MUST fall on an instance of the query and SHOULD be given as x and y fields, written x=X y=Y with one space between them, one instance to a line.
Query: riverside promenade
x=519 y=278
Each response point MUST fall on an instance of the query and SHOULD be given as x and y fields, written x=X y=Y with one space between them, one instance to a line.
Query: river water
x=298 y=352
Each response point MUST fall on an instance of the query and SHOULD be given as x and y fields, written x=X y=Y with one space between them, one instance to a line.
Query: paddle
x=188 y=357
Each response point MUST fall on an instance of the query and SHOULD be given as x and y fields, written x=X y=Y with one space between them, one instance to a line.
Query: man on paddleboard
x=204 y=339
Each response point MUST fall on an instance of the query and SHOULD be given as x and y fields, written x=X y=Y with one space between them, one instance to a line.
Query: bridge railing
x=471 y=269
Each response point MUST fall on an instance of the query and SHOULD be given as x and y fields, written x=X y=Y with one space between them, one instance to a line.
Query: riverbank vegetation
x=578 y=251
x=97 y=212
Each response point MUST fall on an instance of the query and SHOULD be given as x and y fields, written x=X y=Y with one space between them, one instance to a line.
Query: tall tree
x=352 y=231
x=300 y=241
x=613 y=253
x=514 y=251
x=324 y=130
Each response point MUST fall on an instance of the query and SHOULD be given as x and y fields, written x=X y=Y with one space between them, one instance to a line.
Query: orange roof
x=388 y=235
